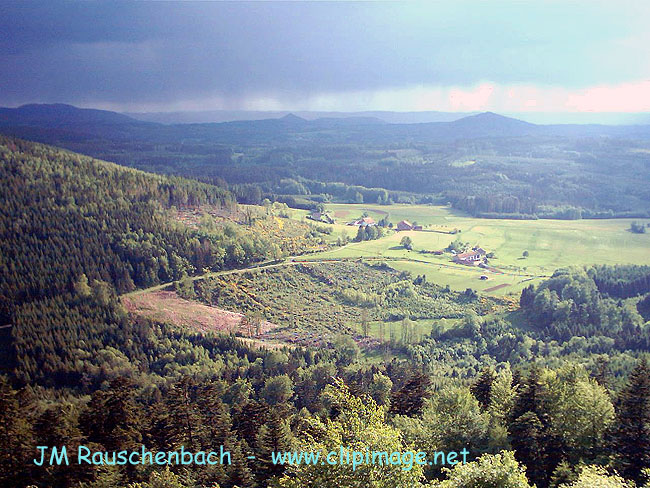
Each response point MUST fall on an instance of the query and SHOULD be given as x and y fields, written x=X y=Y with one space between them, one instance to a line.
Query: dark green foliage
x=527 y=440
x=249 y=418
x=112 y=418
x=65 y=215
x=15 y=437
x=239 y=472
x=73 y=233
x=273 y=436
x=406 y=243
x=530 y=429
x=632 y=436
x=410 y=398
x=576 y=302
x=621 y=281
x=482 y=388
x=643 y=306
x=368 y=233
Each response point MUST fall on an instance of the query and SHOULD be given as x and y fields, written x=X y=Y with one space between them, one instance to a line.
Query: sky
x=518 y=56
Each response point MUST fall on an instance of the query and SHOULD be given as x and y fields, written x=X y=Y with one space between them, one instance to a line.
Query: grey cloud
x=153 y=52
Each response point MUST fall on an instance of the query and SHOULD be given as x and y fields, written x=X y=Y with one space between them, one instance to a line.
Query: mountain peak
x=292 y=118
x=488 y=124
x=491 y=116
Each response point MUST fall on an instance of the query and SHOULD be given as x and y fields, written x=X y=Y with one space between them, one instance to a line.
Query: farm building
x=406 y=225
x=321 y=217
x=364 y=222
x=471 y=257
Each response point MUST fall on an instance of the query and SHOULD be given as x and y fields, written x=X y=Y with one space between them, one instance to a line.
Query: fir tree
x=482 y=388
x=249 y=418
x=632 y=436
x=239 y=473
x=112 y=418
x=184 y=416
x=409 y=399
x=15 y=438
x=273 y=436
x=527 y=440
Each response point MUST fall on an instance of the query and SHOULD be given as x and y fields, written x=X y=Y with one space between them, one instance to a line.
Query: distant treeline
x=511 y=207
x=307 y=194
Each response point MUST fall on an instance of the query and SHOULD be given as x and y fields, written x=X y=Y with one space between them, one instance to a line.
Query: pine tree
x=527 y=296
x=535 y=444
x=274 y=436
x=15 y=438
x=112 y=418
x=527 y=433
x=185 y=421
x=563 y=474
x=632 y=436
x=216 y=425
x=531 y=396
x=482 y=388
x=248 y=419
x=239 y=474
x=409 y=400
x=57 y=426
x=360 y=235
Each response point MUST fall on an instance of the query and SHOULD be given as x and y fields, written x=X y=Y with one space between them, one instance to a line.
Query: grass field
x=551 y=244
x=421 y=328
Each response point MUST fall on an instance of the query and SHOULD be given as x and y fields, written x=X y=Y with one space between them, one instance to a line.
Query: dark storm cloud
x=160 y=52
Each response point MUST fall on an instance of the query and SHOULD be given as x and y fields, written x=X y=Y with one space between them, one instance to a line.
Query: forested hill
x=82 y=371
x=64 y=215
x=485 y=164
x=60 y=115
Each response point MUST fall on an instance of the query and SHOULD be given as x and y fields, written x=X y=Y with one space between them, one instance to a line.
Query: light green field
x=421 y=328
x=551 y=244
x=462 y=164
x=422 y=214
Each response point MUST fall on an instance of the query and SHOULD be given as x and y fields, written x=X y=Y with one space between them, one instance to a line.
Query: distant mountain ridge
x=491 y=124
x=216 y=116
x=66 y=116
x=599 y=169
x=60 y=115
x=50 y=123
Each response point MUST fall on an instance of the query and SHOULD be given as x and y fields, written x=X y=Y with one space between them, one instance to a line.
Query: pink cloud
x=624 y=97
x=476 y=99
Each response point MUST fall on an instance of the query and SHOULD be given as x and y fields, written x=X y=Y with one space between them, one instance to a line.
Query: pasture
x=550 y=244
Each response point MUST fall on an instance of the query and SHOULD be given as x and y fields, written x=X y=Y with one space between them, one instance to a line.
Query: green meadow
x=421 y=328
x=550 y=244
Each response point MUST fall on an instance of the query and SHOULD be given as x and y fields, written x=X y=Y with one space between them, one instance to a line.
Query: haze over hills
x=385 y=124
x=209 y=116
x=198 y=117
x=513 y=167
